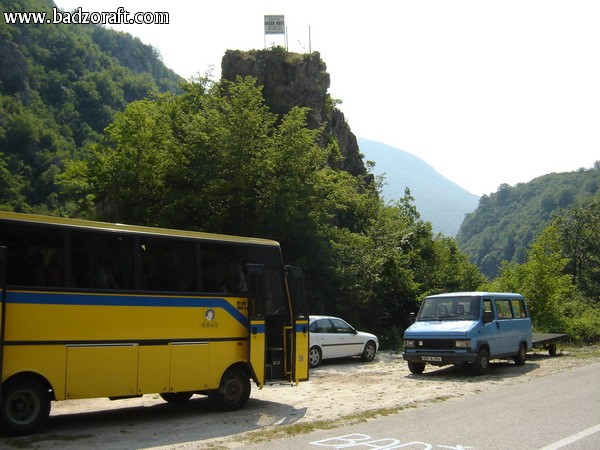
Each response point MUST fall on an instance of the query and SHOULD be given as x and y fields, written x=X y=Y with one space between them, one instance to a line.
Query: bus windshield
x=449 y=308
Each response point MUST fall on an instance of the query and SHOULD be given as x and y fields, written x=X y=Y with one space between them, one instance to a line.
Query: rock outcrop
x=293 y=79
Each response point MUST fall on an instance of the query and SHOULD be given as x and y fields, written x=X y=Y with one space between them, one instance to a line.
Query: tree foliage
x=555 y=301
x=579 y=230
x=60 y=86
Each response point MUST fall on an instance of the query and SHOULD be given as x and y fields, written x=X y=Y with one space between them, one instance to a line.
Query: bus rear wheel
x=233 y=392
x=25 y=406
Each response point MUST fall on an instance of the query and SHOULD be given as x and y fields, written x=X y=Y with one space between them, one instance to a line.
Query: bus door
x=3 y=256
x=297 y=294
x=255 y=276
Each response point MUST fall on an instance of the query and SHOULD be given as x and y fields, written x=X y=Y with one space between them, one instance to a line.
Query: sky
x=486 y=92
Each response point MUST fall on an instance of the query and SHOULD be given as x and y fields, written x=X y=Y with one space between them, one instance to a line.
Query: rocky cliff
x=292 y=79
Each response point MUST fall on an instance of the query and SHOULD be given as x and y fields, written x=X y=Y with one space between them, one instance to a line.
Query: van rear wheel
x=519 y=358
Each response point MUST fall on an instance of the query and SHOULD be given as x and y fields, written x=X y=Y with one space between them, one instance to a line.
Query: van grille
x=435 y=344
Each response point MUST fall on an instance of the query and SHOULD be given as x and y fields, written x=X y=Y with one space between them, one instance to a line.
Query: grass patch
x=280 y=432
x=589 y=351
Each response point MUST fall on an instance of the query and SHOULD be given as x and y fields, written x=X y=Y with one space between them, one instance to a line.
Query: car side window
x=341 y=327
x=321 y=326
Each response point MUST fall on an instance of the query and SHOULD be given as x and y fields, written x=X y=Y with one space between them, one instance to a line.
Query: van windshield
x=450 y=308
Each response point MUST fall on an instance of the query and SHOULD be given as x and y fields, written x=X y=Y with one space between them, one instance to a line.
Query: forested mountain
x=439 y=200
x=60 y=86
x=507 y=221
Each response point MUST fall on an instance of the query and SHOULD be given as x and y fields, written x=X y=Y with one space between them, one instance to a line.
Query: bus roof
x=136 y=229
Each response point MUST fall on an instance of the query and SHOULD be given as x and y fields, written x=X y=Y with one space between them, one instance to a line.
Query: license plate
x=432 y=358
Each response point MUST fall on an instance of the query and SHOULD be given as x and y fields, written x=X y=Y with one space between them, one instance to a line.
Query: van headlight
x=409 y=344
x=465 y=343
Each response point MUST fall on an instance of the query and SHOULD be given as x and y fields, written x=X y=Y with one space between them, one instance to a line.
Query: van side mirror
x=488 y=317
x=412 y=317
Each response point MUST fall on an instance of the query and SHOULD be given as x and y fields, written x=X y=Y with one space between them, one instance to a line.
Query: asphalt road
x=557 y=411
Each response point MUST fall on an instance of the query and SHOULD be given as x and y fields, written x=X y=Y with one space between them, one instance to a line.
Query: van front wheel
x=482 y=363
x=416 y=367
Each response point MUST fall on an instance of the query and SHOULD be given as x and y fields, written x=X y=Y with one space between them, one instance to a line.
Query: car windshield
x=450 y=308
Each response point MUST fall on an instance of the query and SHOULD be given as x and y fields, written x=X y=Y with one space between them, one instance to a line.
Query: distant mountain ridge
x=439 y=200
x=507 y=221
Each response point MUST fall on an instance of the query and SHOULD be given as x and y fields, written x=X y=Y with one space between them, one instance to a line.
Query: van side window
x=503 y=309
x=519 y=308
x=487 y=305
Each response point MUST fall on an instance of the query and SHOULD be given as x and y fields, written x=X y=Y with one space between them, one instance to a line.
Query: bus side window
x=168 y=265
x=223 y=269
x=101 y=261
x=35 y=255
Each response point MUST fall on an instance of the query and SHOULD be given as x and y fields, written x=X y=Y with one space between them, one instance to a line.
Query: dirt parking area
x=338 y=392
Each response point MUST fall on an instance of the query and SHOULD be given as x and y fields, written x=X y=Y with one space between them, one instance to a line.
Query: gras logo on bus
x=210 y=317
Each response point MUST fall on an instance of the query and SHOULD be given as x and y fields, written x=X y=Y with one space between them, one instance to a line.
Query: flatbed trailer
x=547 y=341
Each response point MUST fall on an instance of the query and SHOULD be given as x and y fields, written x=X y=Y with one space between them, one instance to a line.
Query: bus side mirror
x=488 y=317
x=412 y=317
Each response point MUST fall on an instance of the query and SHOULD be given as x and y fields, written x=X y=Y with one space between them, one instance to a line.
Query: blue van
x=468 y=327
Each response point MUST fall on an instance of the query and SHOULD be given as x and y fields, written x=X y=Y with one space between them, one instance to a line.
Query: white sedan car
x=332 y=337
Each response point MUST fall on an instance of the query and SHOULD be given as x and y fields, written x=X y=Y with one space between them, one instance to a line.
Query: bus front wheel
x=233 y=392
x=25 y=406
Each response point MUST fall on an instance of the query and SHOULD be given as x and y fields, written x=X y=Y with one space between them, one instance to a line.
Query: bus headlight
x=409 y=344
x=463 y=344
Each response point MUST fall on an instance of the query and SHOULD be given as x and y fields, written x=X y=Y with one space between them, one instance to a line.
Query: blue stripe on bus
x=47 y=298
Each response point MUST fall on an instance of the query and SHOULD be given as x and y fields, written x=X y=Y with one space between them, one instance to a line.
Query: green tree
x=541 y=280
x=579 y=230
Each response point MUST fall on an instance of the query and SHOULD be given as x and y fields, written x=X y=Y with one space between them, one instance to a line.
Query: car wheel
x=369 y=352
x=314 y=356
x=482 y=363
x=519 y=358
x=416 y=367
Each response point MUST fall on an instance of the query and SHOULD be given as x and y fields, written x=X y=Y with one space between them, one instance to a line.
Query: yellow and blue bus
x=92 y=309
